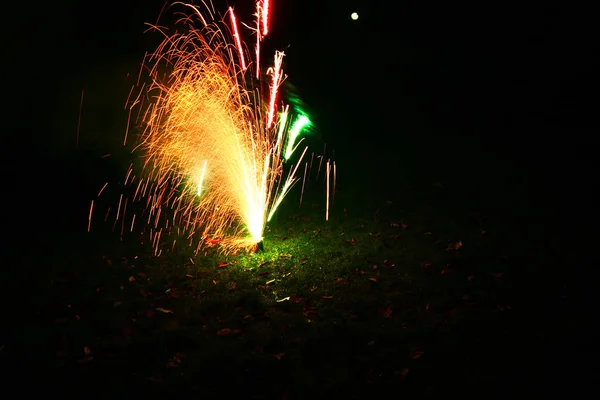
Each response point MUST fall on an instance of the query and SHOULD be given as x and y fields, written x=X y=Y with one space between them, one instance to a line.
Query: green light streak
x=301 y=123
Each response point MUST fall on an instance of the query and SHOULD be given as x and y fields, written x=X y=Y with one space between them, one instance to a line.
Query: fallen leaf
x=454 y=246
x=262 y=264
x=351 y=242
x=282 y=300
x=327 y=297
x=373 y=279
x=164 y=310
x=271 y=281
x=222 y=265
x=189 y=275
x=132 y=279
x=227 y=332
x=402 y=373
x=341 y=280
x=388 y=312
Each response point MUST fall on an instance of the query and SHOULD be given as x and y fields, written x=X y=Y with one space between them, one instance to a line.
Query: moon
x=354 y=16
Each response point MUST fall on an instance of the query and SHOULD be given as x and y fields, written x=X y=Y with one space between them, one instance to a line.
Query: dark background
x=494 y=103
x=442 y=91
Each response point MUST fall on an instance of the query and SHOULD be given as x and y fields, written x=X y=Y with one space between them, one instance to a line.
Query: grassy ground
x=435 y=288
x=387 y=297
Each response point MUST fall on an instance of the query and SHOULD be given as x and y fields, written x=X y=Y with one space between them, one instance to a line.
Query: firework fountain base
x=259 y=247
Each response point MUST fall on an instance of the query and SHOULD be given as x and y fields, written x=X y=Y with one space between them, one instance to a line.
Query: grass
x=386 y=296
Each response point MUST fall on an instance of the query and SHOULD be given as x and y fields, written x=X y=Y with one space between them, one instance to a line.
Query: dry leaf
x=132 y=279
x=227 y=332
x=351 y=242
x=454 y=246
x=164 y=310
x=388 y=312
x=373 y=279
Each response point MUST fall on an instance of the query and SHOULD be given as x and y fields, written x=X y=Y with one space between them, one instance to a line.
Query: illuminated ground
x=394 y=295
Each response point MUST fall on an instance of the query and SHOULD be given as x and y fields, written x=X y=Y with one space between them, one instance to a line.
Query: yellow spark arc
x=198 y=105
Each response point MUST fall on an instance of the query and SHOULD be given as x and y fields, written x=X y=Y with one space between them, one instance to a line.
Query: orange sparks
x=211 y=167
x=258 y=39
x=266 y=5
x=277 y=75
x=236 y=35
x=90 y=216
x=102 y=190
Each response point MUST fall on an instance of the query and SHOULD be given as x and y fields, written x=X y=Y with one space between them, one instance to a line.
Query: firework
x=212 y=138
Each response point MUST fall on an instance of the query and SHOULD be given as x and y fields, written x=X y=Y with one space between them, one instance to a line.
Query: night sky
x=500 y=97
